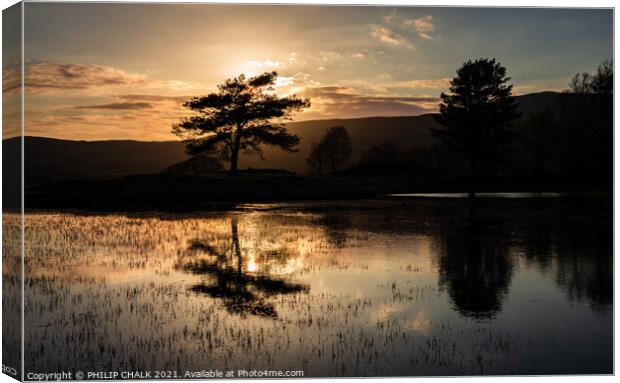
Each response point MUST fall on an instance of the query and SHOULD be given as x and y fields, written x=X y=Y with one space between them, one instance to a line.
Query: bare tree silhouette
x=332 y=152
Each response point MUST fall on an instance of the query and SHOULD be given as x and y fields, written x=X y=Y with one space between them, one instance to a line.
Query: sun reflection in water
x=252 y=267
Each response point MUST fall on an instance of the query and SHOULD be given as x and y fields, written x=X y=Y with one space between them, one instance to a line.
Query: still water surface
x=333 y=288
x=478 y=195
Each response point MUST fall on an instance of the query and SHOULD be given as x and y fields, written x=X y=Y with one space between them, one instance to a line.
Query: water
x=364 y=288
x=478 y=195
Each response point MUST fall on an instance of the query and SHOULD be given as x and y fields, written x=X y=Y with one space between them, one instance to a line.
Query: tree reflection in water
x=585 y=264
x=577 y=249
x=474 y=266
x=233 y=280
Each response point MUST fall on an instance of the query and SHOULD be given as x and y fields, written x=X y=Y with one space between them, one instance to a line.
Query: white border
x=463 y=3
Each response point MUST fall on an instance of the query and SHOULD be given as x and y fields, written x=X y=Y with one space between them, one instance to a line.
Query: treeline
x=570 y=141
x=577 y=140
x=481 y=132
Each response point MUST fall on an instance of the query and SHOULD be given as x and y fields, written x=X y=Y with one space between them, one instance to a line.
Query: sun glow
x=252 y=266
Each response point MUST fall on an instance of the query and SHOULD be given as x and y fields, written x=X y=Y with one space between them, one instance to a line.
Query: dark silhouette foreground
x=477 y=115
x=241 y=117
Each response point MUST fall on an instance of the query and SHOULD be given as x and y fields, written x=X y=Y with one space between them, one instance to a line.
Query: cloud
x=283 y=81
x=389 y=37
x=52 y=77
x=340 y=101
x=398 y=28
x=423 y=26
x=537 y=87
x=118 y=106
x=330 y=56
x=435 y=83
x=113 y=118
x=390 y=17
x=10 y=116
x=11 y=79
x=139 y=125
x=433 y=86
x=125 y=116
x=264 y=64
x=347 y=94
x=153 y=97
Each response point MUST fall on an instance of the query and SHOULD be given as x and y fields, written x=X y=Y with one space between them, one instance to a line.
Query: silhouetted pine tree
x=476 y=116
x=243 y=115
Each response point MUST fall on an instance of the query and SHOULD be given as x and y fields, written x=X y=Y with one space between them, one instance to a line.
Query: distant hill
x=48 y=158
x=537 y=102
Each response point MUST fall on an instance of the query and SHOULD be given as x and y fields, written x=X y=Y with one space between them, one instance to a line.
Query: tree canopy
x=600 y=83
x=476 y=115
x=243 y=115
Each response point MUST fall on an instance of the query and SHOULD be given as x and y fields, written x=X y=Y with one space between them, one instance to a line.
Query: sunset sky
x=100 y=71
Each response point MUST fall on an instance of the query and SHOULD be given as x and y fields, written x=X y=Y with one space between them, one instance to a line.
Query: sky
x=102 y=71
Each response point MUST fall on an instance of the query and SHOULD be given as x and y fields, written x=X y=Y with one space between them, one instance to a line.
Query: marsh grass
x=283 y=289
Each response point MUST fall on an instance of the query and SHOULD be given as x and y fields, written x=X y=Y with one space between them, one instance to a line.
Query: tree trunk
x=235 y=243
x=234 y=157
x=233 y=161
